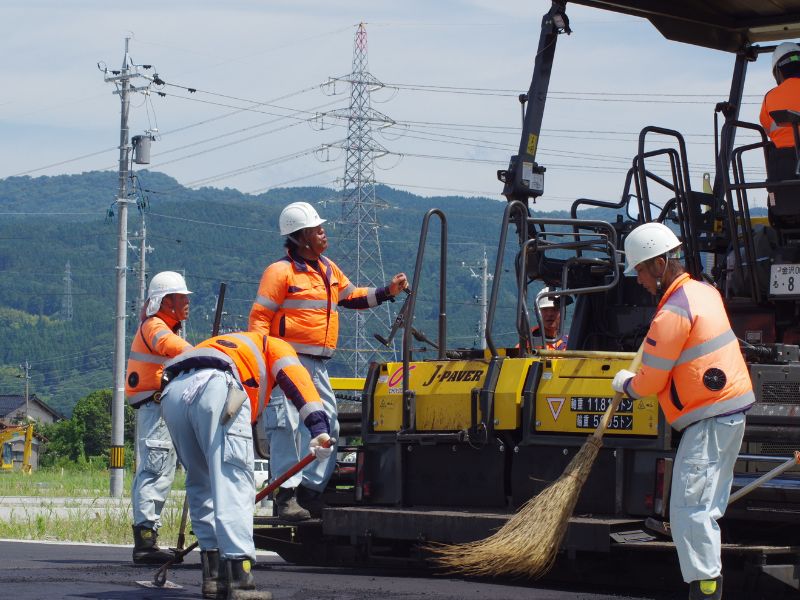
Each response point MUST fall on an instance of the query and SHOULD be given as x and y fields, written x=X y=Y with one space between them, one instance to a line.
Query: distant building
x=12 y=412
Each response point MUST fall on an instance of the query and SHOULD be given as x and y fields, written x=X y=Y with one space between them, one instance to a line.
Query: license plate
x=784 y=280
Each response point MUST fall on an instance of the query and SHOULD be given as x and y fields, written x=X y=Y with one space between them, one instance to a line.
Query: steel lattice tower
x=357 y=230
x=66 y=302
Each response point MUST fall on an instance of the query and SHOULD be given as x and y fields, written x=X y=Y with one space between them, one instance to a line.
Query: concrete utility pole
x=26 y=367
x=483 y=299
x=122 y=79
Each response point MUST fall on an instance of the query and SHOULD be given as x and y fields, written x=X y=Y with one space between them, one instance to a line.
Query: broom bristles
x=528 y=543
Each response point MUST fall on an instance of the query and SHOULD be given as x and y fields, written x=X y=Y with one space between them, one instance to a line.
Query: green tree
x=87 y=434
x=92 y=414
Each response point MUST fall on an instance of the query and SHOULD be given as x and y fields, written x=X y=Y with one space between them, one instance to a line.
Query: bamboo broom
x=528 y=543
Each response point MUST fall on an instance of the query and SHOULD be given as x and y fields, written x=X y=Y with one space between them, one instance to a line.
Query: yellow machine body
x=573 y=394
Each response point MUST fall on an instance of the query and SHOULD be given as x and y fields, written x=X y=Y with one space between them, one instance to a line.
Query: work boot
x=311 y=500
x=209 y=563
x=237 y=583
x=706 y=589
x=288 y=508
x=145 y=547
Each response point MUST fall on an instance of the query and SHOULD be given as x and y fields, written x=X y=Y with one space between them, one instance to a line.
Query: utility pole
x=483 y=299
x=122 y=81
x=26 y=367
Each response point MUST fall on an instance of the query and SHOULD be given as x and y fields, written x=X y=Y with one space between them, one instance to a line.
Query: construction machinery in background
x=8 y=436
x=449 y=446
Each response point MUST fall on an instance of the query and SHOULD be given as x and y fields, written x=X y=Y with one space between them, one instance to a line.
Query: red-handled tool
x=160 y=577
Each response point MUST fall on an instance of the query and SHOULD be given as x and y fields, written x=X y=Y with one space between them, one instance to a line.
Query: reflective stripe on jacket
x=258 y=362
x=297 y=301
x=153 y=345
x=785 y=96
x=691 y=357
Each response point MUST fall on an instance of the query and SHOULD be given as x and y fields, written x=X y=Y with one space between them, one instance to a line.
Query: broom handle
x=612 y=408
x=304 y=462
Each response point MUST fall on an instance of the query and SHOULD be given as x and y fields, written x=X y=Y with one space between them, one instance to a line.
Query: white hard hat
x=297 y=216
x=548 y=301
x=785 y=52
x=648 y=241
x=162 y=284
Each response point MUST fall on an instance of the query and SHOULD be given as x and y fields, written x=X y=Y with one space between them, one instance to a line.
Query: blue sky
x=613 y=75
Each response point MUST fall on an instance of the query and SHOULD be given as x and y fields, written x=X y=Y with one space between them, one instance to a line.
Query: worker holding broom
x=691 y=359
x=206 y=408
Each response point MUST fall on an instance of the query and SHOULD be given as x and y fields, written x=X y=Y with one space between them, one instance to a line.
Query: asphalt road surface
x=36 y=571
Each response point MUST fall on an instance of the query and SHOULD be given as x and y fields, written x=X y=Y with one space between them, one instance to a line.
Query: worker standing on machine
x=785 y=96
x=206 y=408
x=155 y=342
x=691 y=359
x=551 y=319
x=297 y=301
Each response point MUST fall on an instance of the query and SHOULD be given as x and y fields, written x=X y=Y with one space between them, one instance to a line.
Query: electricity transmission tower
x=66 y=302
x=357 y=229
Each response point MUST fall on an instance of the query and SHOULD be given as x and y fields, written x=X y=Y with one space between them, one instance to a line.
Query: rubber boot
x=706 y=589
x=311 y=500
x=209 y=563
x=145 y=547
x=237 y=582
x=288 y=508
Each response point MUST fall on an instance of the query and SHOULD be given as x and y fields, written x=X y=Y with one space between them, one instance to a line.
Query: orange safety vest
x=785 y=96
x=154 y=344
x=692 y=358
x=298 y=303
x=560 y=343
x=258 y=362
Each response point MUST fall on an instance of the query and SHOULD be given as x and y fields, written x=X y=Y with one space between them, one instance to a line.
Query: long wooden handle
x=612 y=408
x=304 y=462
x=160 y=577
x=794 y=461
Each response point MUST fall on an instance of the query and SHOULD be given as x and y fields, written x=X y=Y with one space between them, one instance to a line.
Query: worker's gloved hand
x=318 y=450
x=620 y=379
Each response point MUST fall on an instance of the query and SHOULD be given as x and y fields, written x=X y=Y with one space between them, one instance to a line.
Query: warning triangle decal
x=555 y=404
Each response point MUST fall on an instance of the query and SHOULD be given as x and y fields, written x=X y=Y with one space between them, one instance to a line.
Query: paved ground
x=35 y=571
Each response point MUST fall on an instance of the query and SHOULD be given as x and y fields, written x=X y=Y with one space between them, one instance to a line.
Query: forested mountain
x=212 y=235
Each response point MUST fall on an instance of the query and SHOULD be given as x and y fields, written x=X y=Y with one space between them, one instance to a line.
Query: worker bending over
x=298 y=299
x=155 y=342
x=691 y=359
x=214 y=395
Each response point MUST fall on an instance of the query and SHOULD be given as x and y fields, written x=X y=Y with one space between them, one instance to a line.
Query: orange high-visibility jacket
x=258 y=362
x=298 y=301
x=154 y=344
x=691 y=357
x=785 y=96
x=560 y=343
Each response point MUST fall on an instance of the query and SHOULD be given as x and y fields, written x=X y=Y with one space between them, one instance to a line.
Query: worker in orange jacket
x=213 y=396
x=155 y=342
x=692 y=361
x=786 y=95
x=551 y=319
x=298 y=301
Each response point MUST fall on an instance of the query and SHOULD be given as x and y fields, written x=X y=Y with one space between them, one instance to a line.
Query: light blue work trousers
x=289 y=439
x=155 y=470
x=701 y=486
x=218 y=460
